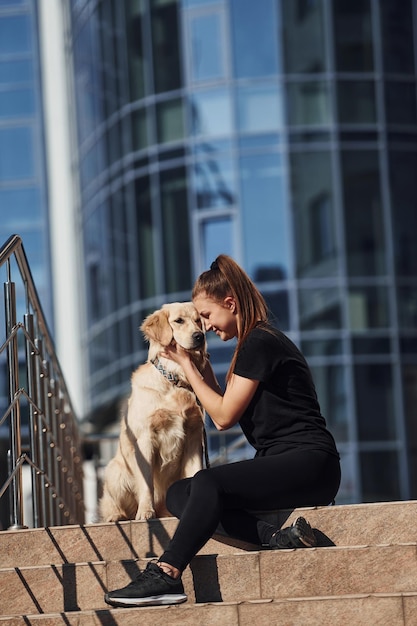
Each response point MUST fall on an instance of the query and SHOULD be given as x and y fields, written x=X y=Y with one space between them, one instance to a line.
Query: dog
x=162 y=431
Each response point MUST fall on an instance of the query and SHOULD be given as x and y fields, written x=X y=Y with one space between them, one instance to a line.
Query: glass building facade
x=23 y=189
x=283 y=133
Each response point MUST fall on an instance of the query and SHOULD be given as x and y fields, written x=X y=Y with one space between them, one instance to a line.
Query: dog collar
x=173 y=378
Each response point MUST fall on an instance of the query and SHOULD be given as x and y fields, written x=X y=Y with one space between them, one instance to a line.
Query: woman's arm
x=225 y=409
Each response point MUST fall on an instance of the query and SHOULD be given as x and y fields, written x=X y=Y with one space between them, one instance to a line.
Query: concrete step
x=265 y=575
x=344 y=525
x=347 y=610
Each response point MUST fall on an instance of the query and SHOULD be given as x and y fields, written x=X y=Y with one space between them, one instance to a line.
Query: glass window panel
x=397 y=35
x=211 y=113
x=176 y=235
x=97 y=258
x=364 y=231
x=145 y=237
x=379 y=473
x=20 y=208
x=374 y=402
x=16 y=71
x=371 y=345
x=356 y=102
x=353 y=36
x=331 y=387
x=400 y=102
x=89 y=168
x=263 y=202
x=214 y=183
x=303 y=21
x=254 y=27
x=276 y=300
x=408 y=344
x=86 y=81
x=409 y=381
x=34 y=242
x=17 y=103
x=217 y=234
x=119 y=246
x=16 y=153
x=170 y=120
x=264 y=140
x=407 y=307
x=207 y=54
x=165 y=45
x=15 y=34
x=114 y=137
x=194 y=3
x=320 y=308
x=138 y=64
x=368 y=308
x=308 y=103
x=321 y=347
x=259 y=107
x=403 y=187
x=140 y=128
x=313 y=207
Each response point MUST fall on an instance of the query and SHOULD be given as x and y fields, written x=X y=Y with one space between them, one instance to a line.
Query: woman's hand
x=176 y=353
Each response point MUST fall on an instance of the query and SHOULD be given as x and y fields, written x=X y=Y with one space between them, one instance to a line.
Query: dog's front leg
x=193 y=454
x=143 y=478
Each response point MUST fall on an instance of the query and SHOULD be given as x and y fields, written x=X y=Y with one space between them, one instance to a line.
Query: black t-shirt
x=284 y=413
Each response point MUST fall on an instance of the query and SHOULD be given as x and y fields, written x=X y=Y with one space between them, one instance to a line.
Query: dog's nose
x=198 y=338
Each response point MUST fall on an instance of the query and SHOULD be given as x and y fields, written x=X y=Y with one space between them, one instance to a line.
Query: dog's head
x=177 y=321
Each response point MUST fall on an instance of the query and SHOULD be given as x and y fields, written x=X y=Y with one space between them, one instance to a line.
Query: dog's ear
x=156 y=327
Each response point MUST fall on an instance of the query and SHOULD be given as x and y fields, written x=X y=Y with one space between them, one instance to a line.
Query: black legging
x=222 y=495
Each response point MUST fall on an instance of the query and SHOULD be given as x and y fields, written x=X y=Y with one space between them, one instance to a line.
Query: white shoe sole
x=169 y=598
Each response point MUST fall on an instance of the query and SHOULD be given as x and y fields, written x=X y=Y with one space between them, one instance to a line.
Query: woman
x=270 y=392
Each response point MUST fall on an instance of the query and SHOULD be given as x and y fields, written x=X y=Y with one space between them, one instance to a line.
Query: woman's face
x=220 y=317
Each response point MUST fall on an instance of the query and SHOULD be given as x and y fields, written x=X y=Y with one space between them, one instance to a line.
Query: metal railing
x=37 y=393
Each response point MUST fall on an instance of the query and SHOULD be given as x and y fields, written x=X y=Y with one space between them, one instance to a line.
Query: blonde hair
x=226 y=278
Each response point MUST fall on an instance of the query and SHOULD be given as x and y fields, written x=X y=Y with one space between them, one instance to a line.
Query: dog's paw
x=145 y=514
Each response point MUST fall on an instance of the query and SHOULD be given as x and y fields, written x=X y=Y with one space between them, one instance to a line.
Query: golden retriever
x=161 y=438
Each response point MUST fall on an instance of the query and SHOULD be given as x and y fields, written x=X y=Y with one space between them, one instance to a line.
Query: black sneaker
x=299 y=535
x=152 y=586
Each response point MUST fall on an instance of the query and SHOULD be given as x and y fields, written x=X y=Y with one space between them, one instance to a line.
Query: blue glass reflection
x=217 y=239
x=260 y=107
x=211 y=113
x=19 y=207
x=15 y=34
x=214 y=182
x=264 y=216
x=19 y=71
x=16 y=153
x=255 y=41
x=192 y=3
x=17 y=103
x=207 y=58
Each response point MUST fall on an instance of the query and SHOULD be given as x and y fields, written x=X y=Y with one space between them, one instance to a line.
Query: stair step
x=344 y=525
x=361 y=610
x=364 y=572
x=240 y=577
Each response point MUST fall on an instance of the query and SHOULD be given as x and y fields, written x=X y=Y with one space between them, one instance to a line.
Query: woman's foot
x=299 y=535
x=152 y=586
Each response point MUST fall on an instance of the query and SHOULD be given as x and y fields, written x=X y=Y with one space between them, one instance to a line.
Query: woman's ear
x=230 y=303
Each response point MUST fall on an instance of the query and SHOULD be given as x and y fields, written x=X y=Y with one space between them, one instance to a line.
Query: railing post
x=33 y=421
x=16 y=510
x=41 y=428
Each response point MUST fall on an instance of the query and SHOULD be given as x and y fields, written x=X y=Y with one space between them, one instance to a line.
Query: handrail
x=54 y=455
